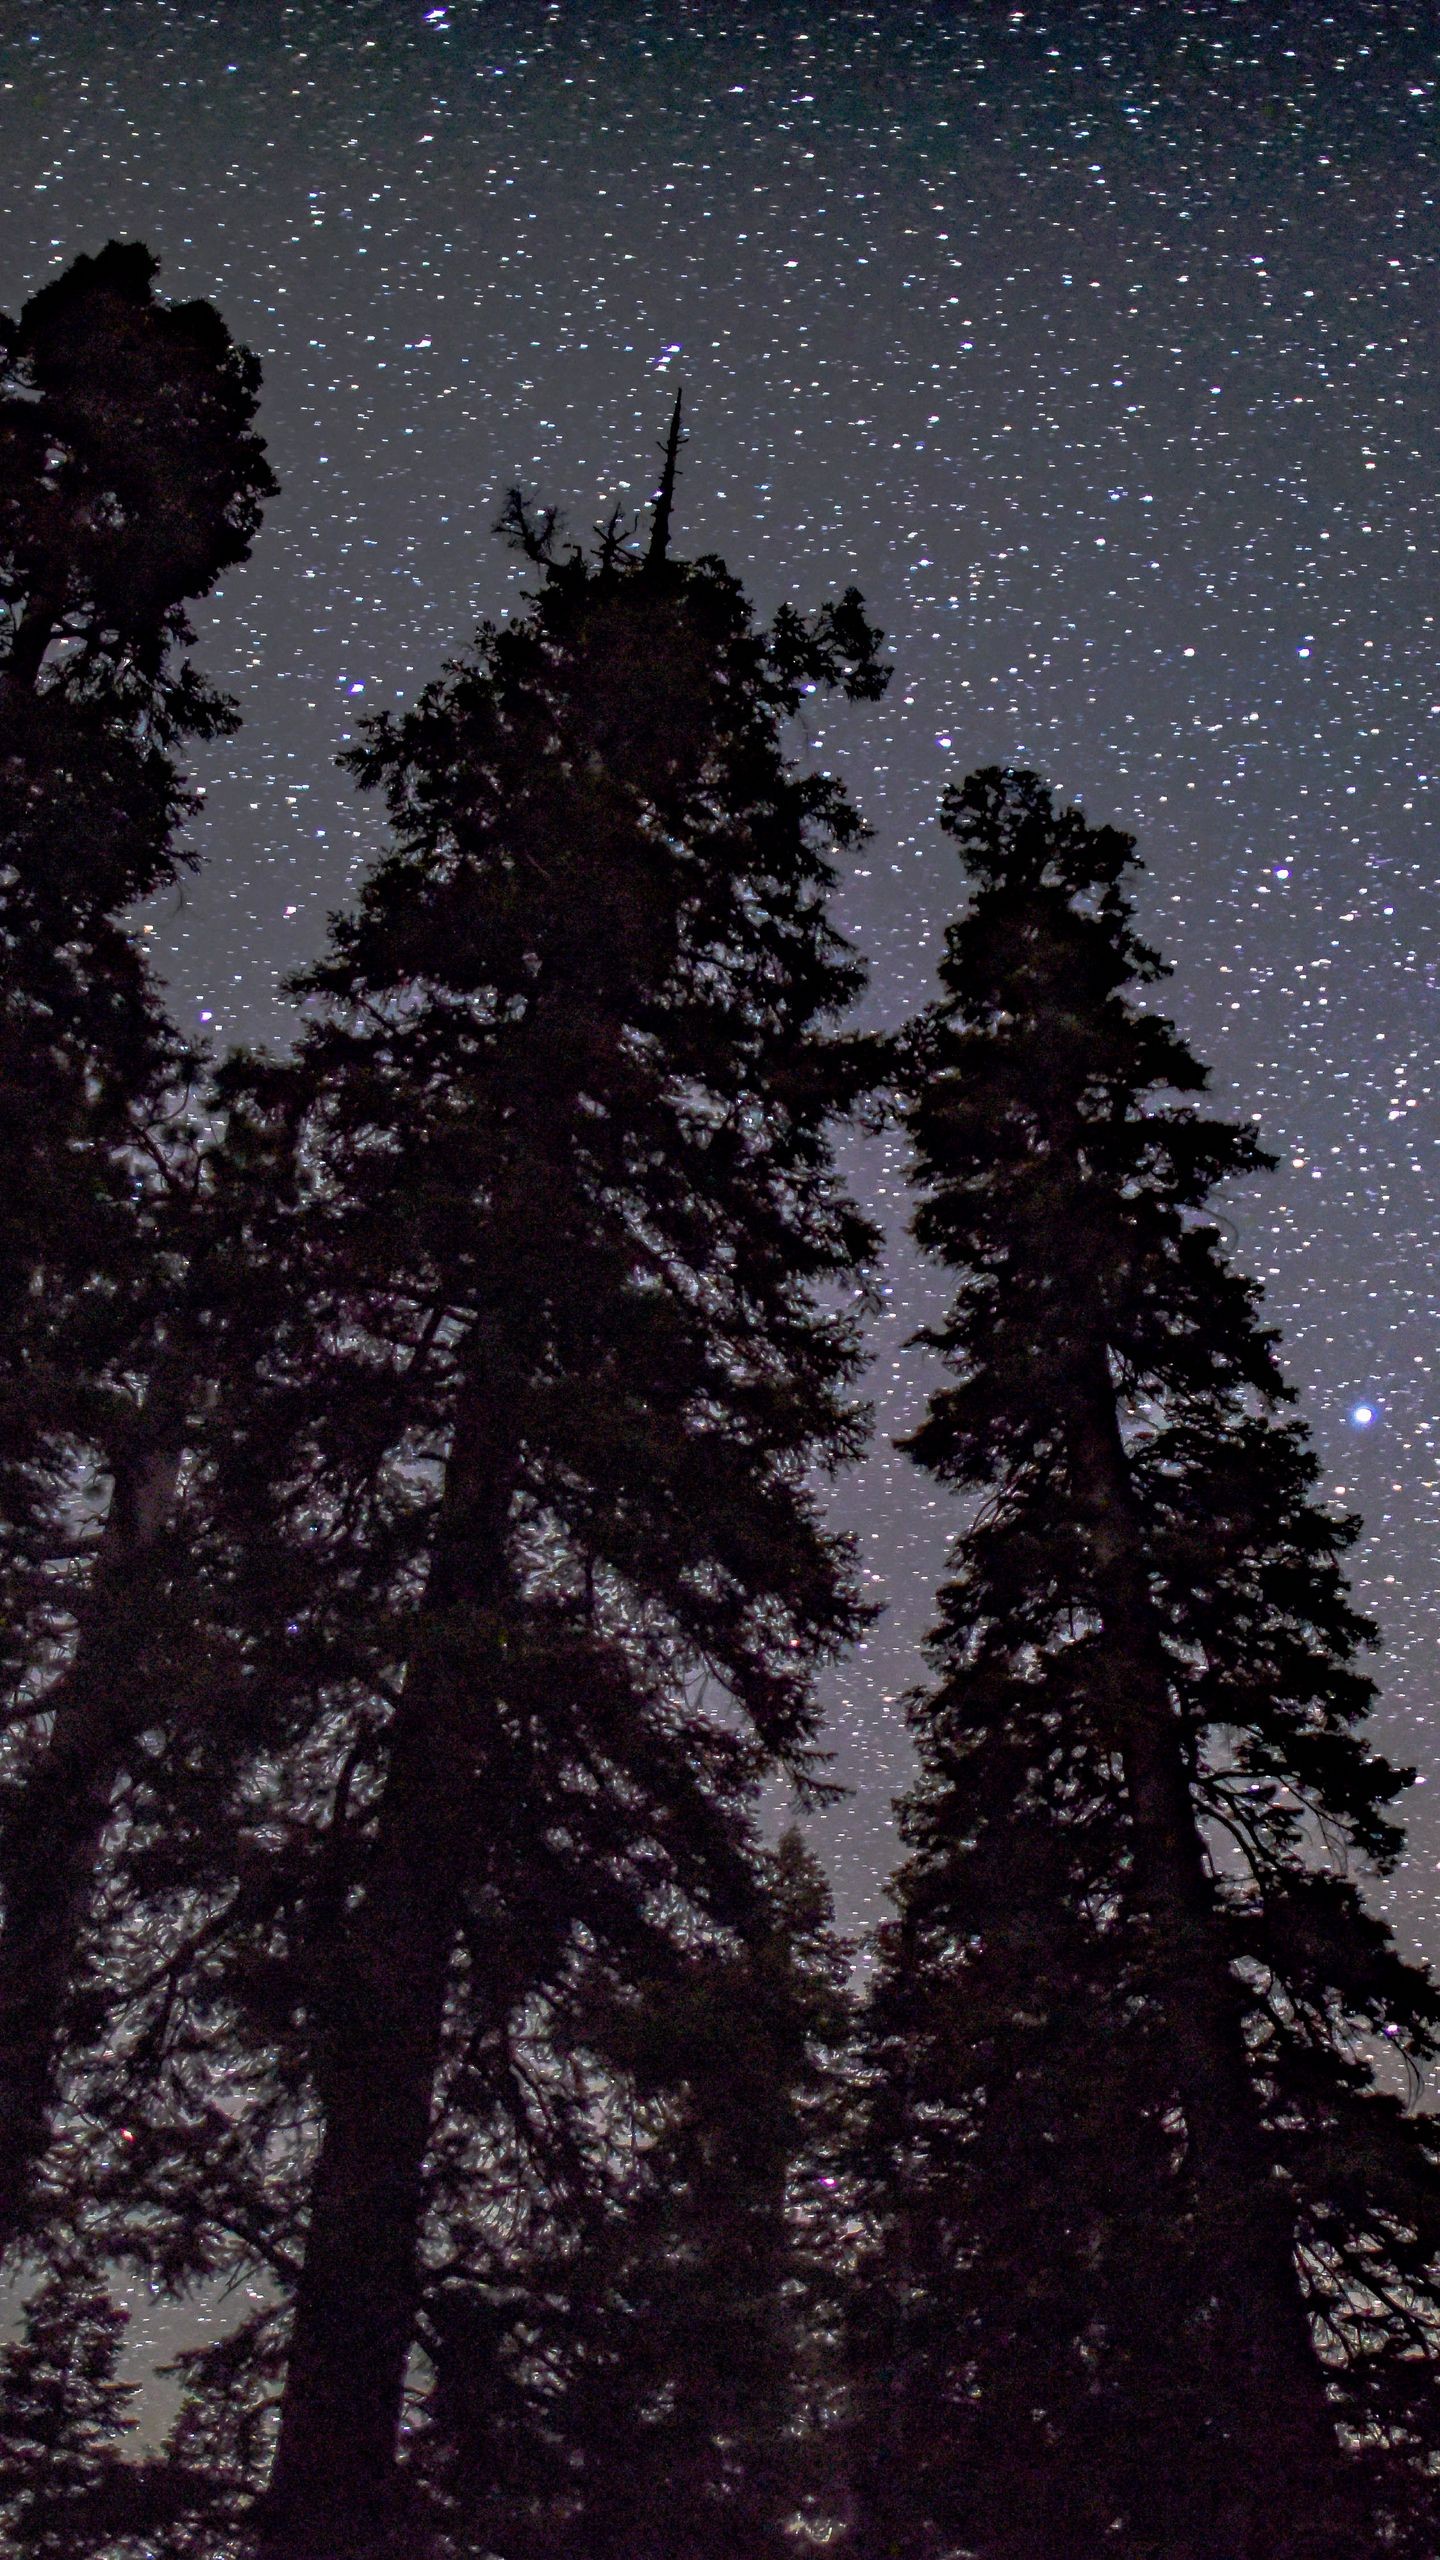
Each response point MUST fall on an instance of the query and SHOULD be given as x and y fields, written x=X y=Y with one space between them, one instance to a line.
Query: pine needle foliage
x=130 y=478
x=554 y=1302
x=63 y=2412
x=627 y=2371
x=1157 y=2253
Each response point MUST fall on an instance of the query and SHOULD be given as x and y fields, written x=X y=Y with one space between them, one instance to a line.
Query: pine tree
x=1156 y=2262
x=555 y=1312
x=629 y=2377
x=64 y=2411
x=72 y=2486
x=130 y=478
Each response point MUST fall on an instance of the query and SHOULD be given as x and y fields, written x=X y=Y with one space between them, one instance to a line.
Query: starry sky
x=1096 y=341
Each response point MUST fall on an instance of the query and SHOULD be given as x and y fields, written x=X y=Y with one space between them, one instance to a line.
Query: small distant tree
x=1157 y=2252
x=63 y=2413
x=554 y=1298
x=73 y=2483
x=130 y=478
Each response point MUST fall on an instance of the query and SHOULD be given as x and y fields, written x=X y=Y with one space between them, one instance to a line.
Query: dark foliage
x=129 y=478
x=632 y=2382
x=62 y=2411
x=1155 y=2240
x=414 y=1567
x=550 y=1315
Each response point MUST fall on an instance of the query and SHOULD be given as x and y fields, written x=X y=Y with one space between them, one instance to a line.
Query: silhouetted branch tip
x=614 y=538
x=665 y=496
x=534 y=534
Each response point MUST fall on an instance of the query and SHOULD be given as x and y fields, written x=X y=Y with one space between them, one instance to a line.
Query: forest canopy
x=418 y=1576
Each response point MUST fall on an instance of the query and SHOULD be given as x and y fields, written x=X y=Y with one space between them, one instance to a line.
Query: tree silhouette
x=1154 y=2238
x=62 y=2412
x=623 y=2370
x=129 y=479
x=554 y=1302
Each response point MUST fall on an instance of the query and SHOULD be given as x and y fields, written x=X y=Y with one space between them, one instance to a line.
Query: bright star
x=1362 y=1414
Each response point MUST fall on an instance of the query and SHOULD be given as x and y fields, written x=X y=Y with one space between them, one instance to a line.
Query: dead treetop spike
x=665 y=499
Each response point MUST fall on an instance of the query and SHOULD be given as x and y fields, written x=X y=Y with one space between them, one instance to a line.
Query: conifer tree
x=62 y=2412
x=555 y=1312
x=1157 y=2253
x=130 y=478
x=72 y=2485
x=630 y=2376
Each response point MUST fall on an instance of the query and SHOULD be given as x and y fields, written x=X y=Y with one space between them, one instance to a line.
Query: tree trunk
x=1296 y=2498
x=51 y=1848
x=333 y=2491
x=51 y=1843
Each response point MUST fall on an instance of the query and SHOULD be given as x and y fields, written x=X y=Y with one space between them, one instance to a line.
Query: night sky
x=1094 y=341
